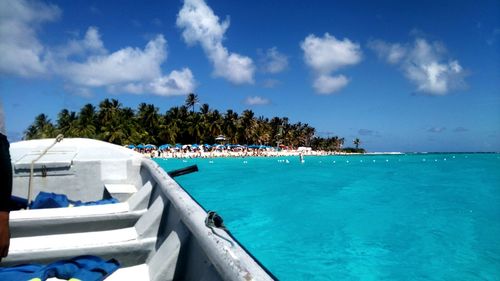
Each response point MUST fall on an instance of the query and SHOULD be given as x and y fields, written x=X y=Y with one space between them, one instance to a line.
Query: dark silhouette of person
x=5 y=188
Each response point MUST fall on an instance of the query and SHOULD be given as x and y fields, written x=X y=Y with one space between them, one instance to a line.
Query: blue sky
x=400 y=75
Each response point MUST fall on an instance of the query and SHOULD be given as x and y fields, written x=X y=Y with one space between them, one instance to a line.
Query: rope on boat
x=213 y=220
x=58 y=139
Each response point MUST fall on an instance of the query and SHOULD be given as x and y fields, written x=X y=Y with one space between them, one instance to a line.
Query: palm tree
x=149 y=120
x=247 y=126
x=66 y=122
x=191 y=100
x=356 y=142
x=86 y=123
x=205 y=109
x=122 y=125
x=41 y=128
x=230 y=125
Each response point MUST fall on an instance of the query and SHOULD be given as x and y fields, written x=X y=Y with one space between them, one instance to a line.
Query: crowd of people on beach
x=206 y=151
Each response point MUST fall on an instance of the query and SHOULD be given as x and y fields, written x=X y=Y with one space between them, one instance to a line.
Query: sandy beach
x=183 y=154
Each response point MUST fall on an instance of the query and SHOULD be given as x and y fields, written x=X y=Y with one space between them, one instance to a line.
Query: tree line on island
x=112 y=122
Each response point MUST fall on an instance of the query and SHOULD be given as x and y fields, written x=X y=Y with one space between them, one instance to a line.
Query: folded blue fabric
x=46 y=200
x=83 y=268
x=92 y=203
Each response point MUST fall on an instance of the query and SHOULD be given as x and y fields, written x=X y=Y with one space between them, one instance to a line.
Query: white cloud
x=326 y=84
x=90 y=44
x=125 y=65
x=273 y=61
x=256 y=100
x=424 y=64
x=327 y=54
x=392 y=53
x=175 y=83
x=21 y=52
x=130 y=70
x=85 y=63
x=201 y=25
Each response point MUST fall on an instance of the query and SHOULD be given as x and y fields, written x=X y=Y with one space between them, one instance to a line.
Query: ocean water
x=383 y=217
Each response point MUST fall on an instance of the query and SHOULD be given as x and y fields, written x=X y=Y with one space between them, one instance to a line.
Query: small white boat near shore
x=156 y=231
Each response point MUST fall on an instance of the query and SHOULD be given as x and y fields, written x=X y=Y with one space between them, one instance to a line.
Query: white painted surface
x=204 y=256
x=70 y=212
x=86 y=149
x=113 y=170
x=120 y=188
x=137 y=272
x=71 y=241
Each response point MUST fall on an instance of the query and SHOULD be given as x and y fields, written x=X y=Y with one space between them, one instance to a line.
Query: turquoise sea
x=370 y=217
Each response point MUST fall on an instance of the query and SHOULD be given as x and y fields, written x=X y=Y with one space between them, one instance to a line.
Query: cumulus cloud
x=327 y=84
x=424 y=64
x=392 y=53
x=85 y=63
x=175 y=83
x=327 y=54
x=90 y=44
x=272 y=61
x=21 y=52
x=125 y=65
x=256 y=100
x=200 y=25
x=131 y=70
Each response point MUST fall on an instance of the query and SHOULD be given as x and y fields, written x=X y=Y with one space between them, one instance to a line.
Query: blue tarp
x=84 y=268
x=45 y=200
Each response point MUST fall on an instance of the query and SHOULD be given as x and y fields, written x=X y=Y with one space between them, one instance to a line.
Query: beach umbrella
x=164 y=146
x=207 y=145
x=150 y=146
x=220 y=138
x=140 y=146
x=195 y=146
x=131 y=146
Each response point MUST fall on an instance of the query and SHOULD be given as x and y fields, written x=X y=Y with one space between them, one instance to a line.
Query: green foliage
x=328 y=144
x=353 y=150
x=112 y=122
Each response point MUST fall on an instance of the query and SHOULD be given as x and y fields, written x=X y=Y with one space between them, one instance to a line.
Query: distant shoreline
x=274 y=154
